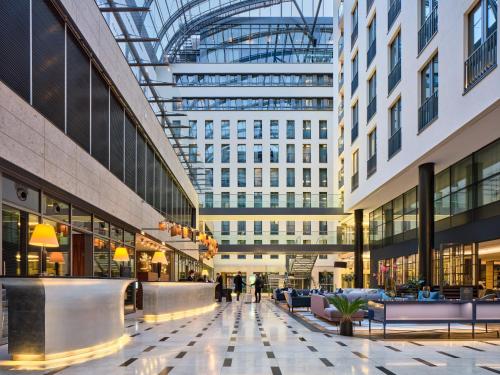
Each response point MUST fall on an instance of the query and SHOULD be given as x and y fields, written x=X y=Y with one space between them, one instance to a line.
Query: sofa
x=320 y=306
x=294 y=300
x=278 y=295
x=365 y=294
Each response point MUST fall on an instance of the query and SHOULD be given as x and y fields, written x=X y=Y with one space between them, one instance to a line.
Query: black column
x=358 y=248
x=426 y=220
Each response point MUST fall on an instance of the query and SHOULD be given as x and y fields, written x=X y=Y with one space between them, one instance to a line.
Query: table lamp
x=121 y=255
x=159 y=258
x=57 y=258
x=44 y=236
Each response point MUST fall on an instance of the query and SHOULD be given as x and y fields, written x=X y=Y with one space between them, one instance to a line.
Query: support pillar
x=426 y=220
x=358 y=248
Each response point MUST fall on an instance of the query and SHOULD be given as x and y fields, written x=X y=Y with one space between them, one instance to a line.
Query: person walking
x=238 y=285
x=218 y=287
x=259 y=284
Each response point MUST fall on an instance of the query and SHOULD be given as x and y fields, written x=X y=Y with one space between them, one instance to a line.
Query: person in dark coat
x=259 y=284
x=238 y=285
x=218 y=287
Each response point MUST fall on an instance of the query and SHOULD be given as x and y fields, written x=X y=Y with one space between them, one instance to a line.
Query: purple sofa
x=320 y=306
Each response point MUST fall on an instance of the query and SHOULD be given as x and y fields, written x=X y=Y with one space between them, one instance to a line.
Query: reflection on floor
x=258 y=339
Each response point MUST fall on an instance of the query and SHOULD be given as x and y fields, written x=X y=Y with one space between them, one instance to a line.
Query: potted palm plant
x=347 y=309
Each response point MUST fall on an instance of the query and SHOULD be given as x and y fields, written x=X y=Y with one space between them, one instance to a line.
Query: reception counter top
x=173 y=300
x=51 y=318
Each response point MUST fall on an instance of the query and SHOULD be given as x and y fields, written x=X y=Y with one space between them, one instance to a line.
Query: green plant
x=345 y=307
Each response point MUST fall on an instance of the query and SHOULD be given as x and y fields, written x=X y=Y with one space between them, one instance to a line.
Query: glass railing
x=284 y=237
x=354 y=84
x=371 y=165
x=341 y=80
x=394 y=76
x=371 y=109
x=481 y=62
x=369 y=4
x=372 y=51
x=394 y=9
x=354 y=35
x=341 y=45
x=354 y=181
x=394 y=143
x=340 y=144
x=341 y=178
x=341 y=111
x=340 y=12
x=428 y=111
x=354 y=132
x=428 y=29
x=271 y=201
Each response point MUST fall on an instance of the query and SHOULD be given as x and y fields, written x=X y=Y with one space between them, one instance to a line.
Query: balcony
x=354 y=132
x=341 y=178
x=340 y=144
x=428 y=29
x=482 y=61
x=369 y=4
x=394 y=76
x=371 y=109
x=372 y=51
x=394 y=10
x=354 y=35
x=394 y=143
x=354 y=84
x=371 y=165
x=428 y=111
x=354 y=181
x=341 y=111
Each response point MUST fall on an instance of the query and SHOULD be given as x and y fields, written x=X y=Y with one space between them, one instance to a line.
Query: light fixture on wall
x=44 y=236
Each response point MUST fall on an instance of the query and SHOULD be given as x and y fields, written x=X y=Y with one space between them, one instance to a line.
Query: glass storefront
x=400 y=269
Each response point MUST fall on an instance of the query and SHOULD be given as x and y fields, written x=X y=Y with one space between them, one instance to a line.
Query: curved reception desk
x=174 y=300
x=54 y=318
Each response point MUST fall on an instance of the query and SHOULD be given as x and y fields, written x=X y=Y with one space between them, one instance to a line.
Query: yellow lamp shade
x=204 y=273
x=121 y=255
x=44 y=235
x=56 y=257
x=159 y=257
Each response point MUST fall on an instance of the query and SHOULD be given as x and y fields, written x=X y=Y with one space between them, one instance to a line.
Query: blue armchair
x=294 y=300
x=278 y=295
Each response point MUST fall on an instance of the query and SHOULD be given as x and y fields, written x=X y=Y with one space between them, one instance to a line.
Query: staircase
x=301 y=266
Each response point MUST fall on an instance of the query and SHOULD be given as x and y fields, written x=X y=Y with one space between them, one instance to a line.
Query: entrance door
x=82 y=254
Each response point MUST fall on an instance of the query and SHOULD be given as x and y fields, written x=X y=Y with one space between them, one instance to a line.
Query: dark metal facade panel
x=141 y=166
x=150 y=171
x=130 y=153
x=100 y=118
x=116 y=137
x=15 y=46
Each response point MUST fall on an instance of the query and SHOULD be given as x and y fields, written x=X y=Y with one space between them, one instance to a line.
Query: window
x=242 y=129
x=242 y=153
x=257 y=228
x=323 y=129
x=275 y=228
x=209 y=153
x=242 y=256
x=257 y=153
x=429 y=80
x=354 y=74
x=209 y=200
x=274 y=129
x=323 y=228
x=355 y=169
x=274 y=154
x=257 y=256
x=355 y=121
x=306 y=129
x=242 y=177
x=354 y=25
x=242 y=228
x=224 y=199
x=224 y=177
x=306 y=228
x=395 y=128
x=323 y=153
x=290 y=177
x=395 y=62
x=225 y=230
x=372 y=152
x=372 y=97
x=482 y=23
x=372 y=42
x=323 y=177
x=290 y=200
x=290 y=153
x=257 y=199
x=193 y=153
x=306 y=153
x=257 y=129
x=290 y=228
x=193 y=129
x=257 y=177
x=225 y=131
x=306 y=177
x=274 y=202
x=274 y=177
x=488 y=169
x=323 y=256
x=290 y=129
x=242 y=200
x=225 y=256
x=209 y=177
x=225 y=153
x=323 y=200
x=209 y=129
x=274 y=256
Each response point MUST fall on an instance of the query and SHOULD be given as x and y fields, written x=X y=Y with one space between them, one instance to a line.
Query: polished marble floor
x=258 y=339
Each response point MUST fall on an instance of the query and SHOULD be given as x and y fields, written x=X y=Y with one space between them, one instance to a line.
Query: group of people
x=238 y=286
x=193 y=276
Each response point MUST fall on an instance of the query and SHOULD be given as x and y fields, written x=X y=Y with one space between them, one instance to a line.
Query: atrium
x=249 y=187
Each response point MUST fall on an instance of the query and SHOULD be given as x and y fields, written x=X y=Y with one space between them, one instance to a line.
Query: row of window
x=273 y=177
x=241 y=129
x=266 y=80
x=255 y=256
x=274 y=228
x=253 y=104
x=272 y=200
x=241 y=149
